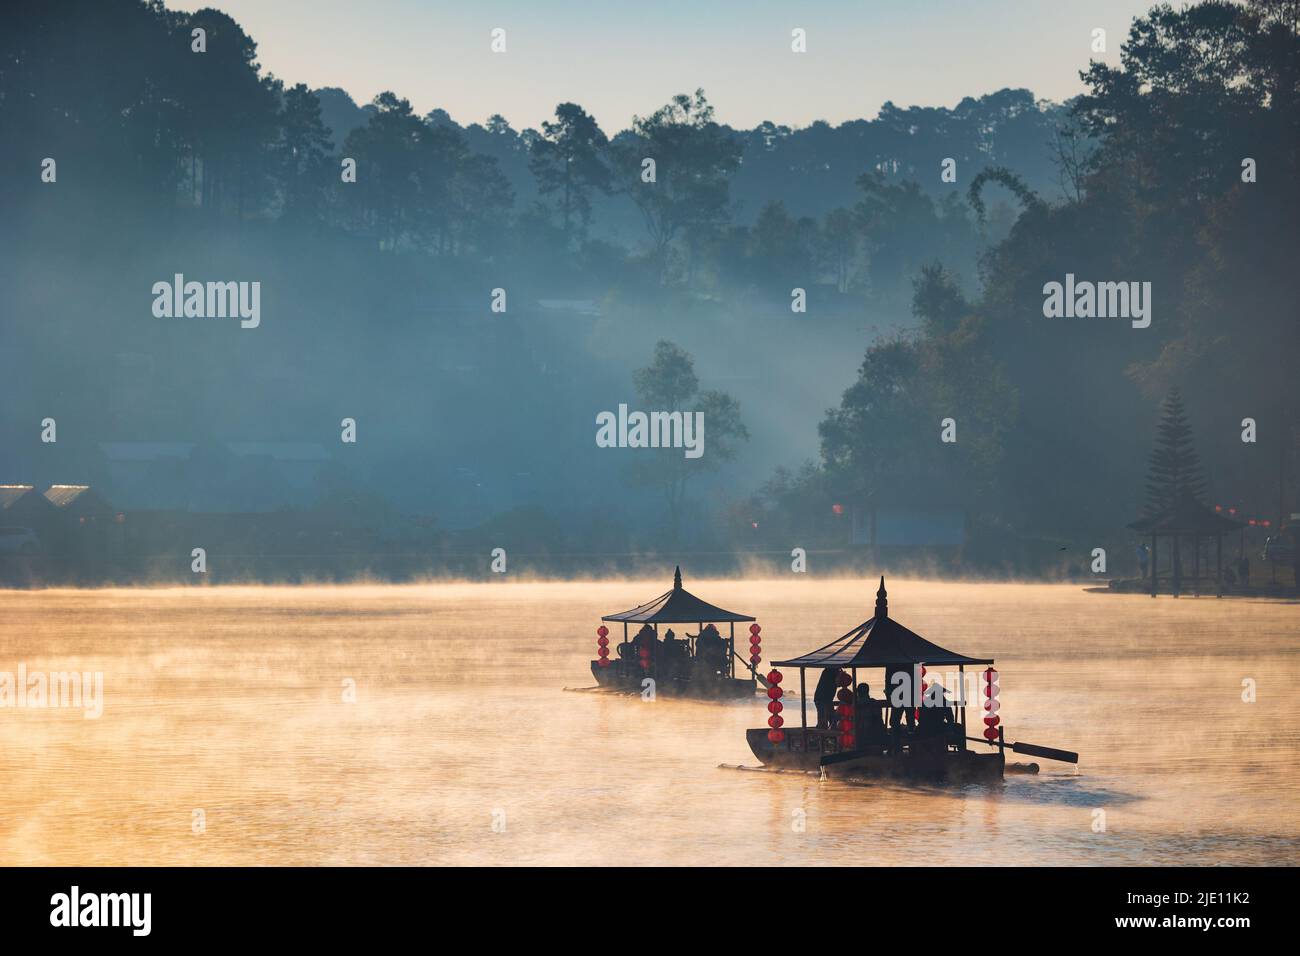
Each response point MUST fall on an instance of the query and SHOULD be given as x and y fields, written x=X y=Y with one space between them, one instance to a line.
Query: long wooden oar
x=759 y=677
x=1033 y=750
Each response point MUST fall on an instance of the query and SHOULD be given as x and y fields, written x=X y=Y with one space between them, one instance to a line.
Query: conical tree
x=1175 y=467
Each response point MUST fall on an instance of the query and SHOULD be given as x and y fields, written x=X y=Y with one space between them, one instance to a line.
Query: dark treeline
x=1058 y=416
x=376 y=292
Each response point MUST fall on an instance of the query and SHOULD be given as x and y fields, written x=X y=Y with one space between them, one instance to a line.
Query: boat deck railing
x=827 y=741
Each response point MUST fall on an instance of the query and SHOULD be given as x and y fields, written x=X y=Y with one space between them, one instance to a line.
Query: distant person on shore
x=1144 y=558
x=824 y=697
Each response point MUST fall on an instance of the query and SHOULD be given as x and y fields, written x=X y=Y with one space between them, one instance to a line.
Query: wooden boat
x=919 y=733
x=700 y=665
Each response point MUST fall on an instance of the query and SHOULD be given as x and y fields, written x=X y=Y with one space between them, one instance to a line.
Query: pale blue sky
x=617 y=57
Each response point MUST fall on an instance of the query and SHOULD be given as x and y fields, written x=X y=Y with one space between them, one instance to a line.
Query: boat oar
x=1033 y=750
x=757 y=676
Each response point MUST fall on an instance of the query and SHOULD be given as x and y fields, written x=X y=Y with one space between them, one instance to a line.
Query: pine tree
x=1175 y=467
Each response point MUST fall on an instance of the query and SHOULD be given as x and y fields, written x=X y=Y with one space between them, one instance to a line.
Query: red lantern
x=603 y=631
x=776 y=736
x=775 y=693
x=776 y=720
x=775 y=707
x=603 y=662
x=774 y=677
x=603 y=641
x=845 y=696
x=754 y=628
x=602 y=652
x=991 y=705
x=845 y=679
x=848 y=741
x=755 y=659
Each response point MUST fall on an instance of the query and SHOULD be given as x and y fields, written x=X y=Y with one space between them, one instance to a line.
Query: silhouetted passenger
x=710 y=650
x=898 y=688
x=870 y=723
x=936 y=718
x=674 y=656
x=824 y=697
x=646 y=638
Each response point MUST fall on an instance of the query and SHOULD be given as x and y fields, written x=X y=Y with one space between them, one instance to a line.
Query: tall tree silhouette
x=693 y=158
x=669 y=384
x=570 y=158
x=231 y=114
x=303 y=148
x=387 y=149
x=1175 y=467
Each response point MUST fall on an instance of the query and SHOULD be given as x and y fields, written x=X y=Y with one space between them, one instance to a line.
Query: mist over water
x=230 y=700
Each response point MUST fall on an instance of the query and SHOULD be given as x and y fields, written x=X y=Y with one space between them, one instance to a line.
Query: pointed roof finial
x=882 y=600
x=677 y=578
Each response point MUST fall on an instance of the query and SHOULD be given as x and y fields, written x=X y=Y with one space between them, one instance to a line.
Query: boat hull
x=808 y=750
x=616 y=677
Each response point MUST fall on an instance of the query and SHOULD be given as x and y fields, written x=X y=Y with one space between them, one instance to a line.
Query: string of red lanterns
x=774 y=707
x=848 y=735
x=755 y=645
x=602 y=645
x=991 y=706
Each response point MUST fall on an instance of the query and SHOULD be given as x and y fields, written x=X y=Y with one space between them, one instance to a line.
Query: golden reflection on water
x=230 y=700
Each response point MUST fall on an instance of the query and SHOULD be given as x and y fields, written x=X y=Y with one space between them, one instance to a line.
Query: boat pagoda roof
x=1187 y=515
x=880 y=642
x=677 y=606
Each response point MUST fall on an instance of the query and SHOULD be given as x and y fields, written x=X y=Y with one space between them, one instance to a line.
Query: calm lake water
x=230 y=701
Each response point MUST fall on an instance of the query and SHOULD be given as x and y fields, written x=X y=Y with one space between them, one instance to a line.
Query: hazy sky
x=618 y=57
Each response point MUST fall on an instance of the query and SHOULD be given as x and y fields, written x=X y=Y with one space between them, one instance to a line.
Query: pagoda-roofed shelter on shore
x=1187 y=517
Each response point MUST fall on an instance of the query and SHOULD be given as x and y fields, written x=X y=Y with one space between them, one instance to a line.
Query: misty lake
x=226 y=736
